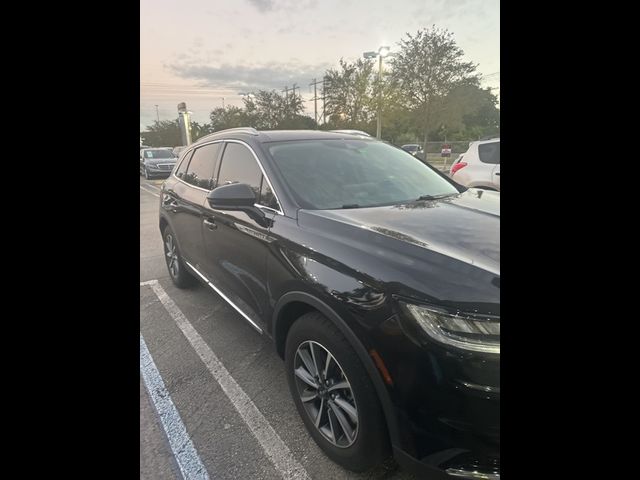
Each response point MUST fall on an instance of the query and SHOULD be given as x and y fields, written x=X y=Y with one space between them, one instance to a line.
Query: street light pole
x=157 y=114
x=379 y=126
x=382 y=52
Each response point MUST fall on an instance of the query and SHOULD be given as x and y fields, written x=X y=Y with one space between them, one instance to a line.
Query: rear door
x=189 y=195
x=496 y=176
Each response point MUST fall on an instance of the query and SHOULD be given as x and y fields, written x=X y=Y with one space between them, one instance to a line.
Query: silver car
x=156 y=162
x=479 y=166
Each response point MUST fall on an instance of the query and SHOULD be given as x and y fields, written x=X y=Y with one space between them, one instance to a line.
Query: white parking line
x=181 y=445
x=275 y=449
x=149 y=191
x=152 y=186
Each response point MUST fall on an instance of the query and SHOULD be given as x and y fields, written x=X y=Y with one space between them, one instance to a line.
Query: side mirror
x=235 y=196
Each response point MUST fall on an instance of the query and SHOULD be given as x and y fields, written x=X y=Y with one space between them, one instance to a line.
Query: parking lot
x=214 y=400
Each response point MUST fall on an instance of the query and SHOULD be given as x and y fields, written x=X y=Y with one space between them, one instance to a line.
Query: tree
x=165 y=133
x=229 y=117
x=268 y=110
x=199 y=131
x=427 y=69
x=485 y=116
x=349 y=94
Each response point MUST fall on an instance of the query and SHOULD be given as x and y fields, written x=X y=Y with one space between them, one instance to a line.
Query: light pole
x=222 y=102
x=157 y=114
x=381 y=53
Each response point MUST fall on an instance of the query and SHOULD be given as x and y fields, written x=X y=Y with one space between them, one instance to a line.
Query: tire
x=146 y=174
x=178 y=272
x=369 y=445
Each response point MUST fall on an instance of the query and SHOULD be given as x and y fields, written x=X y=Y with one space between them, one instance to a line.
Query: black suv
x=376 y=276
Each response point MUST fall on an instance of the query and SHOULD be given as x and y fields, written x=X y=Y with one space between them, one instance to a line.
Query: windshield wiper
x=435 y=197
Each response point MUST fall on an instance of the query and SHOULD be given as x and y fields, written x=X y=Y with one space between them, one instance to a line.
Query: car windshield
x=160 y=153
x=330 y=174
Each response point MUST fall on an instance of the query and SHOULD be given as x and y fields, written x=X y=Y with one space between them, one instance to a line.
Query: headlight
x=467 y=331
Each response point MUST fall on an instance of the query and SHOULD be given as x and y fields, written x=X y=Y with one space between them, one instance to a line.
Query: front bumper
x=158 y=171
x=446 y=406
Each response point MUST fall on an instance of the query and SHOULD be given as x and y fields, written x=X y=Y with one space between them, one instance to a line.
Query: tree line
x=427 y=92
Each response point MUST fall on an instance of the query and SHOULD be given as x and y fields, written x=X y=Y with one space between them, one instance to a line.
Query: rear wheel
x=177 y=270
x=334 y=395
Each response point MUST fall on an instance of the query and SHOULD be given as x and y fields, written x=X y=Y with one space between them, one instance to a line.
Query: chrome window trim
x=279 y=211
x=219 y=292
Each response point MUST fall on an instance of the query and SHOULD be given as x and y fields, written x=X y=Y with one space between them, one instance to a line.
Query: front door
x=237 y=244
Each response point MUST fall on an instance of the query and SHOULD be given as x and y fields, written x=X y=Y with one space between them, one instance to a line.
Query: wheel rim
x=171 y=255
x=326 y=394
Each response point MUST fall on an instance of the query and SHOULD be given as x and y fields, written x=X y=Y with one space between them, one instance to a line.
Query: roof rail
x=247 y=130
x=490 y=137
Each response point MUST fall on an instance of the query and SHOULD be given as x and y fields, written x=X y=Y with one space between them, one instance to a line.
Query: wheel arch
x=294 y=304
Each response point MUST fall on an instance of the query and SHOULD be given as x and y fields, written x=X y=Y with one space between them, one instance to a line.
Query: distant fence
x=457 y=147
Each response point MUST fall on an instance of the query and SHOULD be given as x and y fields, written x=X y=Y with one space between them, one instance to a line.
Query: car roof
x=266 y=136
x=352 y=132
x=489 y=140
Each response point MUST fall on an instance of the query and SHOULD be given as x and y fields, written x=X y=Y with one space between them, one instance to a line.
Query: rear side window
x=202 y=166
x=182 y=169
x=489 y=152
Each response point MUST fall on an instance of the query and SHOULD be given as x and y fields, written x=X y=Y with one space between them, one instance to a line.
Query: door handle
x=498 y=173
x=211 y=225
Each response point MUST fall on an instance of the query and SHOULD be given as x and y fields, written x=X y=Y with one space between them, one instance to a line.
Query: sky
x=209 y=52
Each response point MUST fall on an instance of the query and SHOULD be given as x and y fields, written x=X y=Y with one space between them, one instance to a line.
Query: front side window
x=330 y=174
x=202 y=166
x=182 y=169
x=267 y=197
x=239 y=166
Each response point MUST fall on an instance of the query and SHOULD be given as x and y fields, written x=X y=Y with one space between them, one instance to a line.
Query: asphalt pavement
x=214 y=400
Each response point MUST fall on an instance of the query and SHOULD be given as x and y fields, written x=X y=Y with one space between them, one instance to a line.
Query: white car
x=479 y=166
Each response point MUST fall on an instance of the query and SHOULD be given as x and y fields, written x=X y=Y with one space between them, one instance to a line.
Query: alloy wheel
x=326 y=394
x=171 y=253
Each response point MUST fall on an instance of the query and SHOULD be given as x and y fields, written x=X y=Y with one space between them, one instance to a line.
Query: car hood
x=465 y=227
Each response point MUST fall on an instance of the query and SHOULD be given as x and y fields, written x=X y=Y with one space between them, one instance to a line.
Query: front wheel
x=146 y=174
x=334 y=395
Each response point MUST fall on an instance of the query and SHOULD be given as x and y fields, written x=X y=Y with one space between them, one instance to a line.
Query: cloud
x=263 y=5
x=273 y=5
x=250 y=77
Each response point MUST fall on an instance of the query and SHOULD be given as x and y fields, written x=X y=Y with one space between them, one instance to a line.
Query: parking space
x=220 y=385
